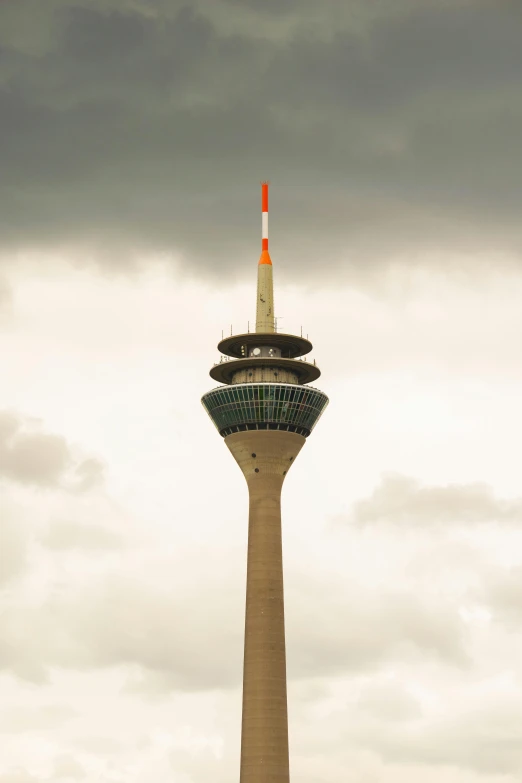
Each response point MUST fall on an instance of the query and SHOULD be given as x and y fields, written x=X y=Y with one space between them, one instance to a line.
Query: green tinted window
x=265 y=403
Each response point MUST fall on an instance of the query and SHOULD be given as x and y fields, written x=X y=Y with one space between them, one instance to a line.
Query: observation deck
x=265 y=369
x=265 y=406
x=264 y=387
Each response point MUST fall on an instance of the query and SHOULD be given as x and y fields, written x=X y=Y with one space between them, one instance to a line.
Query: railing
x=276 y=330
x=263 y=383
x=224 y=359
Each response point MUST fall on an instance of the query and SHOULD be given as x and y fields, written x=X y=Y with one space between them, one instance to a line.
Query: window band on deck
x=278 y=406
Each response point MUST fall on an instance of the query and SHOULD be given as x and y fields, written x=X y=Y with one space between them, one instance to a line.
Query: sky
x=133 y=137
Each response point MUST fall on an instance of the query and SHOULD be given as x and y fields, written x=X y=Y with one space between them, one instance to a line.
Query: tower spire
x=265 y=286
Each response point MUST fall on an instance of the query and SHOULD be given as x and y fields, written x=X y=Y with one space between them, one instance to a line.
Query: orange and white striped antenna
x=265 y=287
x=265 y=256
x=264 y=215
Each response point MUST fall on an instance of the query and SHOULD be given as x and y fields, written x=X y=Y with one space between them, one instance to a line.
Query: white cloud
x=128 y=592
x=18 y=775
x=486 y=740
x=13 y=549
x=6 y=296
x=67 y=768
x=503 y=592
x=404 y=501
x=32 y=457
x=62 y=534
x=35 y=719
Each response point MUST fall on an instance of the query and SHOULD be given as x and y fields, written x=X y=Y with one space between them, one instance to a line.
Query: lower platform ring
x=265 y=426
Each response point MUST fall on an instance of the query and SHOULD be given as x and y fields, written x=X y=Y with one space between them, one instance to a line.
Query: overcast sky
x=133 y=137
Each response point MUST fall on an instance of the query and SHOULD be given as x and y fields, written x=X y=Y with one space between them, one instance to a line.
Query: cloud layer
x=402 y=500
x=130 y=126
x=30 y=456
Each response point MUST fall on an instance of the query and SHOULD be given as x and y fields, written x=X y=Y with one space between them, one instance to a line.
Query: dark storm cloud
x=132 y=125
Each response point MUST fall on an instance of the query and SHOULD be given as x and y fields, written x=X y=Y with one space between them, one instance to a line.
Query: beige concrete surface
x=265 y=299
x=263 y=374
x=265 y=458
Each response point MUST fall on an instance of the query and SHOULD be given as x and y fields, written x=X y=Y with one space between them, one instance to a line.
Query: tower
x=265 y=411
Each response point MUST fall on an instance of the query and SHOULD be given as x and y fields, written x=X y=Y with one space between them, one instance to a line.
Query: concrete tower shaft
x=265 y=322
x=265 y=459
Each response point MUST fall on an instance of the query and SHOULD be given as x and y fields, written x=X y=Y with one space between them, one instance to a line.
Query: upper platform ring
x=305 y=371
x=290 y=345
